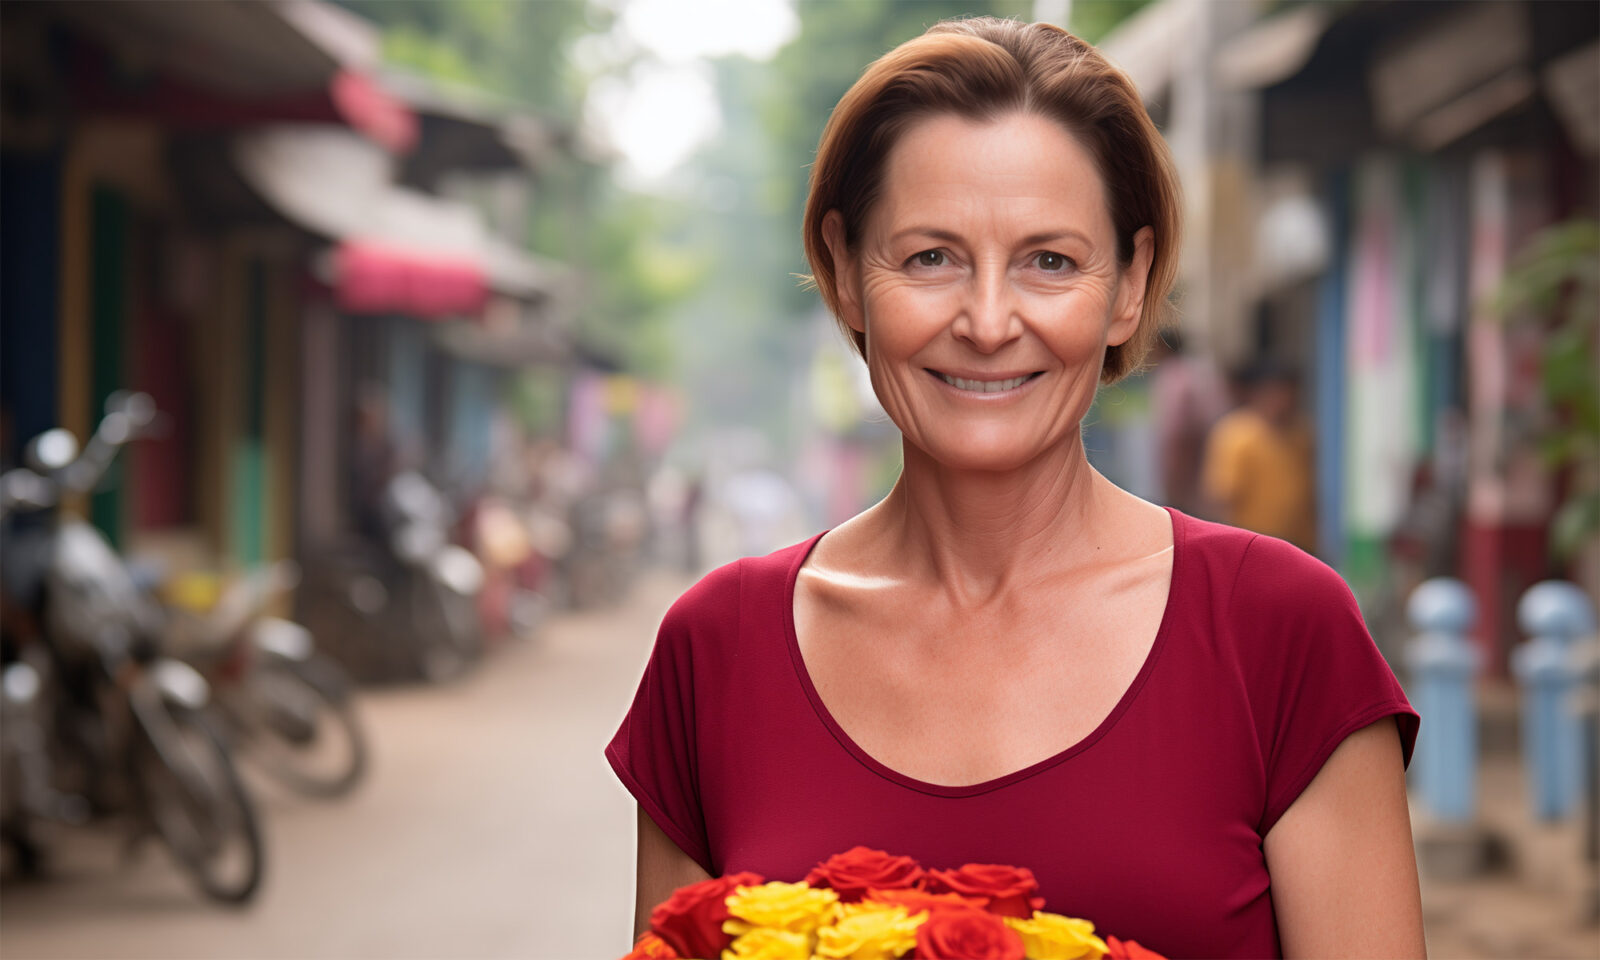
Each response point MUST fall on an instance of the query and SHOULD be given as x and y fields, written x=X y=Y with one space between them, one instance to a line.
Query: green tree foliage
x=515 y=48
x=1094 y=19
x=1555 y=281
x=636 y=266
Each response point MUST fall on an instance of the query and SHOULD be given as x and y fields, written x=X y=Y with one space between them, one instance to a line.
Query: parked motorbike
x=401 y=600
x=132 y=724
x=287 y=707
x=439 y=582
x=27 y=791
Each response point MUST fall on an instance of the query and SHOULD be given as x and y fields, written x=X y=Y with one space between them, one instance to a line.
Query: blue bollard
x=1555 y=615
x=1443 y=665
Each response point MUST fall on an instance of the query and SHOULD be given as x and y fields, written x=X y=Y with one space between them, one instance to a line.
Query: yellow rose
x=1050 y=936
x=765 y=943
x=869 y=931
x=794 y=907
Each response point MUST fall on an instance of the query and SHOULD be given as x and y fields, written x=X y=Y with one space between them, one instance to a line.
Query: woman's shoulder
x=1258 y=575
x=721 y=595
x=1285 y=619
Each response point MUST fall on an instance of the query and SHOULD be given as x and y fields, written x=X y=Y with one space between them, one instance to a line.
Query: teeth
x=984 y=386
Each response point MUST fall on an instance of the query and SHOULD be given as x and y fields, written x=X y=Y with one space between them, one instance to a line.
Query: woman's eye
x=929 y=258
x=1053 y=262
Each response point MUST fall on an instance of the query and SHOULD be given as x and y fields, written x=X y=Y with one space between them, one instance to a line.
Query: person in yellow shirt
x=1258 y=468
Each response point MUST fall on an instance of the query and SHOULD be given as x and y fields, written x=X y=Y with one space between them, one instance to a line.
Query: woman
x=1183 y=729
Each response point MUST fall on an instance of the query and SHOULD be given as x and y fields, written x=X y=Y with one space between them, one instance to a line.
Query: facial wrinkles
x=992 y=204
x=990 y=195
x=988 y=273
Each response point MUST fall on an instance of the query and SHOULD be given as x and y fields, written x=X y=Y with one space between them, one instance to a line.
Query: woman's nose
x=988 y=319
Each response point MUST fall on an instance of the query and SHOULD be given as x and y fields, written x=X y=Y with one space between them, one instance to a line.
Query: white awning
x=1272 y=50
x=337 y=184
x=322 y=177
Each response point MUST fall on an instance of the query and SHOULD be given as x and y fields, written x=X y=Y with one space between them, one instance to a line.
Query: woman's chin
x=983 y=455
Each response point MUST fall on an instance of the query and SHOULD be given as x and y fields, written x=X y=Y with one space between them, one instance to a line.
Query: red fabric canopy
x=375 y=112
x=375 y=279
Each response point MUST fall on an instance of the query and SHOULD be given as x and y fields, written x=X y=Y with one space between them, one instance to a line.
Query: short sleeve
x=654 y=753
x=1314 y=673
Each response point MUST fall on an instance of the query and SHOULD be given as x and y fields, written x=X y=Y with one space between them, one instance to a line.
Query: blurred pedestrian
x=375 y=459
x=693 y=502
x=1188 y=397
x=1258 y=471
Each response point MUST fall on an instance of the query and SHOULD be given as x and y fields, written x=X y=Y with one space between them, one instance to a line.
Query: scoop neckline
x=1179 y=532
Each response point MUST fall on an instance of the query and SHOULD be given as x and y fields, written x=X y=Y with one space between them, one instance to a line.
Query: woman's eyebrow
x=947 y=236
x=1050 y=236
x=931 y=232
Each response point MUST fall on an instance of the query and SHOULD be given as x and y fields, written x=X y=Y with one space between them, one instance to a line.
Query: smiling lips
x=984 y=386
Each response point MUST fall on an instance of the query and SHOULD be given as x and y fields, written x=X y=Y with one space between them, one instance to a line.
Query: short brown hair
x=980 y=68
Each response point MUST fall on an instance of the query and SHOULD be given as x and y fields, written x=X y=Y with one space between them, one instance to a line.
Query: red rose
x=852 y=873
x=967 y=935
x=650 y=947
x=1011 y=890
x=691 y=919
x=916 y=901
x=1129 y=950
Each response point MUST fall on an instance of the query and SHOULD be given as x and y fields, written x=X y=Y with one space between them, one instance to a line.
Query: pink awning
x=374 y=279
x=396 y=249
x=375 y=112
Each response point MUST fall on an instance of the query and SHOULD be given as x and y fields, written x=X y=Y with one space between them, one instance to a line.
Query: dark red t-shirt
x=1150 y=827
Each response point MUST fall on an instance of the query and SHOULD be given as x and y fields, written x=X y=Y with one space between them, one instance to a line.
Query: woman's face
x=987 y=284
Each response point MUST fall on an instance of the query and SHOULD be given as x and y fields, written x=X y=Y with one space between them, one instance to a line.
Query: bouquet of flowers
x=869 y=905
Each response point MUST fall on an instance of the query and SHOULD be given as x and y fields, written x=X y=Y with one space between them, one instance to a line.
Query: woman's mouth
x=985 y=386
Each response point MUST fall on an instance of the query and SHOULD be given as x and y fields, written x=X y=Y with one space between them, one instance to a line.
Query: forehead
x=1018 y=169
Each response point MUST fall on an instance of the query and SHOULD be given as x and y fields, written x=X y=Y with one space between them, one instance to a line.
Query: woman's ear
x=1131 y=287
x=846 y=279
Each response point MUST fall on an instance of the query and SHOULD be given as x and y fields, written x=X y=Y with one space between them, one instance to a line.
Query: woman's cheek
x=1074 y=323
x=926 y=300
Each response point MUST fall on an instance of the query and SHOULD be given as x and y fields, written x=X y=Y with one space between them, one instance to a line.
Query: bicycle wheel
x=304 y=729
x=197 y=803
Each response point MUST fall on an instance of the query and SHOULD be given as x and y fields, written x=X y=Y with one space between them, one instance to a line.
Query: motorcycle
x=402 y=602
x=27 y=792
x=286 y=707
x=134 y=725
x=439 y=582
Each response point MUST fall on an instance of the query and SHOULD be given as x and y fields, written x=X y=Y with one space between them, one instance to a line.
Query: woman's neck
x=979 y=534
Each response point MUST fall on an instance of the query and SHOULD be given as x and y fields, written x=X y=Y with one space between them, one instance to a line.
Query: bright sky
x=666 y=106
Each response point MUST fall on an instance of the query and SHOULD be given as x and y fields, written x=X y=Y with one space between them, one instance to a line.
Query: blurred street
x=491 y=827
x=1531 y=903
